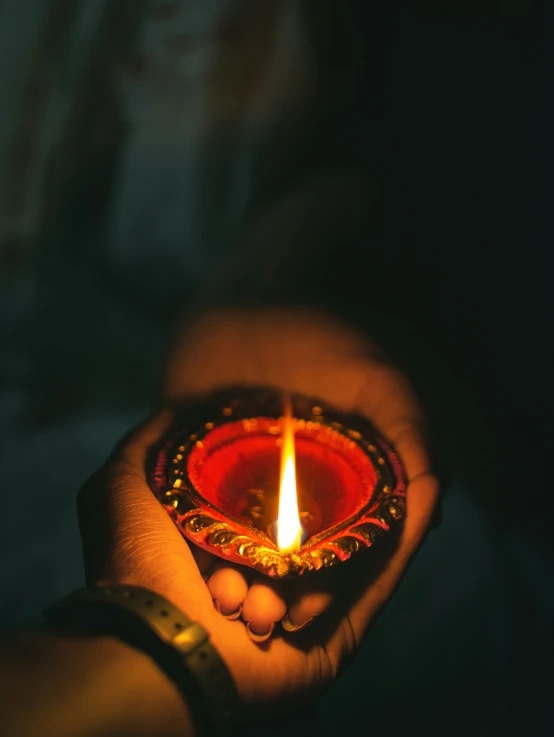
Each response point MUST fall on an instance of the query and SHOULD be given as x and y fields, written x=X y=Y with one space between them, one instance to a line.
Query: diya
x=282 y=488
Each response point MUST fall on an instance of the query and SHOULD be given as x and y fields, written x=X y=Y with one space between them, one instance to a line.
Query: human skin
x=129 y=538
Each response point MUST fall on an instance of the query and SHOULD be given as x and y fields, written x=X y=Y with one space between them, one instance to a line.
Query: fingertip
x=421 y=500
x=422 y=496
x=411 y=447
x=134 y=446
x=264 y=606
x=288 y=625
x=257 y=637
x=306 y=607
x=228 y=615
x=228 y=588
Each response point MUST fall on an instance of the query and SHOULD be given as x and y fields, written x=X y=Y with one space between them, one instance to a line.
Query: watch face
x=220 y=474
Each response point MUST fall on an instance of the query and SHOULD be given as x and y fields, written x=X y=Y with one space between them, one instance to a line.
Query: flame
x=289 y=529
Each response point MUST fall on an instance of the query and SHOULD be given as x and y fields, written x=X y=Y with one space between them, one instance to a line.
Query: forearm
x=62 y=685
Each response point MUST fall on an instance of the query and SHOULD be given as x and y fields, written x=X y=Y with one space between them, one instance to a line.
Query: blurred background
x=391 y=162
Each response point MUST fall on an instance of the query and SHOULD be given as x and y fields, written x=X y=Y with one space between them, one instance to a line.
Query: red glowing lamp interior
x=335 y=478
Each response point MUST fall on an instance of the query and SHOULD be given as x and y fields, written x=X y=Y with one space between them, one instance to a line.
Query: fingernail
x=260 y=638
x=231 y=615
x=290 y=627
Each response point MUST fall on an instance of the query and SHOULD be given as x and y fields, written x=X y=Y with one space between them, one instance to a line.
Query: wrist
x=151 y=624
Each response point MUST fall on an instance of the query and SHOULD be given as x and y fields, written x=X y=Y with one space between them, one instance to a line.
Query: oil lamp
x=282 y=487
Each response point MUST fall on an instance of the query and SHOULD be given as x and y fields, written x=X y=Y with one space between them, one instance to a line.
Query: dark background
x=416 y=188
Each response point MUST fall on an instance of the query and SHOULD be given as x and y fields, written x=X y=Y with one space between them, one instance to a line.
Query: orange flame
x=289 y=529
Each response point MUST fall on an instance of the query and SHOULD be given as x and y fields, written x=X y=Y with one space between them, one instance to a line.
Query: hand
x=129 y=538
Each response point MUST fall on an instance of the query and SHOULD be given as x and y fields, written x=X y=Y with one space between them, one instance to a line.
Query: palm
x=150 y=552
x=146 y=549
x=129 y=538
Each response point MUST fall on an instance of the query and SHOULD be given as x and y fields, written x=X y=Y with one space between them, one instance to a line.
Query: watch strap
x=179 y=646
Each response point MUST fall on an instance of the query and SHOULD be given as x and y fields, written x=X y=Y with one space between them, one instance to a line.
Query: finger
x=420 y=502
x=409 y=443
x=228 y=587
x=127 y=535
x=387 y=395
x=263 y=606
x=125 y=466
x=312 y=596
x=134 y=447
x=307 y=603
x=388 y=399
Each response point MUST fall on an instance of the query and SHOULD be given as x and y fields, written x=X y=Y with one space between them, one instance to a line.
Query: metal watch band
x=144 y=611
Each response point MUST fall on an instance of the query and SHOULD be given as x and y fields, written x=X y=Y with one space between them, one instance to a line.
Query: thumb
x=127 y=536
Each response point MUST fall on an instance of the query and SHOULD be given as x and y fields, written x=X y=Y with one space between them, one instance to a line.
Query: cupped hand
x=129 y=538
